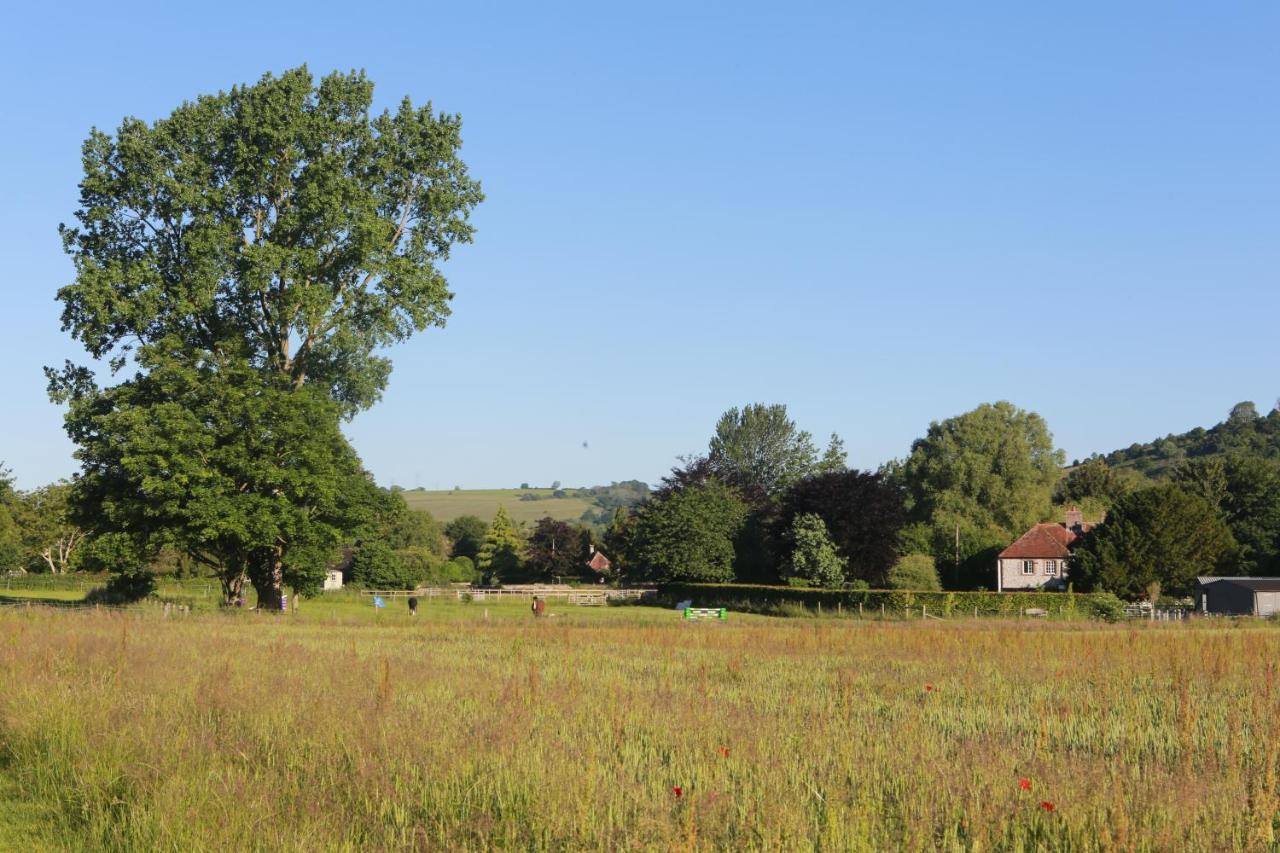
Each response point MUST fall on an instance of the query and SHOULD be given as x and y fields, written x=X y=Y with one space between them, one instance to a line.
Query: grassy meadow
x=448 y=505
x=472 y=727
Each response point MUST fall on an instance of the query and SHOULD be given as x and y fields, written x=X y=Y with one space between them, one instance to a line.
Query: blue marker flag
x=378 y=602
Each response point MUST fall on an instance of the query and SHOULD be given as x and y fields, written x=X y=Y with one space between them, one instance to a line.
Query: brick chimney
x=1074 y=519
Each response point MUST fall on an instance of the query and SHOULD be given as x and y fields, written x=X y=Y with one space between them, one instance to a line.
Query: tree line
x=242 y=263
x=761 y=506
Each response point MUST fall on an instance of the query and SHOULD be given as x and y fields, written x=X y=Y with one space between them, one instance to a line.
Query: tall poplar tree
x=268 y=240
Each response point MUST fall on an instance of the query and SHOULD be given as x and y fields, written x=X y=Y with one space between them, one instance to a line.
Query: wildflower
x=724 y=752
x=1046 y=805
x=1024 y=784
x=678 y=791
x=928 y=688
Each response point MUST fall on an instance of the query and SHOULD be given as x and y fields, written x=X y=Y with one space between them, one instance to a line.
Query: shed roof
x=1255 y=584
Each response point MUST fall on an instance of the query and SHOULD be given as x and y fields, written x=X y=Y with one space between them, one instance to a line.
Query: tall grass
x=453 y=730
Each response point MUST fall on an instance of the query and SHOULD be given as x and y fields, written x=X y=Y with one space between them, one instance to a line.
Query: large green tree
x=556 y=549
x=687 y=534
x=988 y=473
x=252 y=480
x=466 y=532
x=502 y=552
x=10 y=532
x=1245 y=490
x=274 y=236
x=50 y=539
x=863 y=512
x=759 y=450
x=813 y=554
x=1156 y=535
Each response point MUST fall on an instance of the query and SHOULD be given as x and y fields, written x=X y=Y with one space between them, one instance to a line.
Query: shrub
x=376 y=566
x=1105 y=606
x=914 y=571
x=124 y=588
x=459 y=570
x=770 y=599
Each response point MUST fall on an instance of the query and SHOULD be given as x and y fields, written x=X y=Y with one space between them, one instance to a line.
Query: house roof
x=1255 y=584
x=598 y=562
x=1046 y=541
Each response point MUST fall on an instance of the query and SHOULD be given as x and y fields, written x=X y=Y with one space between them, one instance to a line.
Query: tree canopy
x=246 y=477
x=989 y=472
x=863 y=513
x=278 y=223
x=813 y=555
x=759 y=450
x=249 y=254
x=1159 y=535
x=686 y=535
x=502 y=550
x=467 y=534
x=556 y=549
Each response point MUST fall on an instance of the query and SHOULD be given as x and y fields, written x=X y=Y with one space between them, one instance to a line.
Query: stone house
x=1037 y=560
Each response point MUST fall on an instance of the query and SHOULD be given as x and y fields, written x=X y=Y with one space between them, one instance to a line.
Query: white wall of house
x=1028 y=574
x=333 y=579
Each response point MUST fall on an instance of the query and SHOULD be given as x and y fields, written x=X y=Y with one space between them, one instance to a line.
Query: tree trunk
x=268 y=581
x=232 y=588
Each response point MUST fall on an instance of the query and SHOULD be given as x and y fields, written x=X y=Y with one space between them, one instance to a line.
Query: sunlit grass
x=472 y=726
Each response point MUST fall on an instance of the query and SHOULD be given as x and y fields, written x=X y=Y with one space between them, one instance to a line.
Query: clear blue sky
x=879 y=214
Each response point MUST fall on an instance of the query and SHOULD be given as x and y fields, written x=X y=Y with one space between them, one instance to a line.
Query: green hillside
x=1243 y=432
x=448 y=505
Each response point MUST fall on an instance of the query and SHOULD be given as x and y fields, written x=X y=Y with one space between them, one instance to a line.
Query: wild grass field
x=473 y=727
x=448 y=505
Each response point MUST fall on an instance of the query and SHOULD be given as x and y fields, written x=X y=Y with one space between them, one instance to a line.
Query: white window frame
x=1028 y=567
x=1051 y=567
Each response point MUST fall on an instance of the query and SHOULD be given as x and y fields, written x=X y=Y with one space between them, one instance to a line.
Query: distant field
x=447 y=506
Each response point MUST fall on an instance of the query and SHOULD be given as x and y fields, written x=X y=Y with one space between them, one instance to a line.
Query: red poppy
x=724 y=752
x=678 y=791
x=1046 y=805
x=1024 y=784
x=928 y=688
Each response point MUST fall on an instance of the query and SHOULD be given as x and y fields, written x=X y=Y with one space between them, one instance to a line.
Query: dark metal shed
x=1240 y=596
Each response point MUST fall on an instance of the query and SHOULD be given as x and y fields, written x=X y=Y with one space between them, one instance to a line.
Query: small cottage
x=1037 y=560
x=1239 y=596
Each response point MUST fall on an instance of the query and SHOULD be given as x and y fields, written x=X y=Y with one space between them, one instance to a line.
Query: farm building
x=1038 y=558
x=1240 y=596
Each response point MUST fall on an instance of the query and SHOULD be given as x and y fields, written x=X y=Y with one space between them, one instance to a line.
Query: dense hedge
x=774 y=599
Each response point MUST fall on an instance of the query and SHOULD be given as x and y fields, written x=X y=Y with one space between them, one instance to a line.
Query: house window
x=1028 y=567
x=1050 y=567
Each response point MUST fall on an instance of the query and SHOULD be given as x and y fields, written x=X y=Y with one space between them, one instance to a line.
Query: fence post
x=882 y=610
x=924 y=611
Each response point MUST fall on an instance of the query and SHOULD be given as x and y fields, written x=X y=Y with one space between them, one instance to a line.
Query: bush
x=914 y=571
x=459 y=570
x=771 y=599
x=124 y=588
x=1105 y=606
x=376 y=566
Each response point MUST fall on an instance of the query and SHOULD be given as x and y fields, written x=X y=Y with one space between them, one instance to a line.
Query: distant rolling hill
x=446 y=506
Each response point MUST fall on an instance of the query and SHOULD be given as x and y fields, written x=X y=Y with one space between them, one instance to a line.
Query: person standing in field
x=538 y=607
